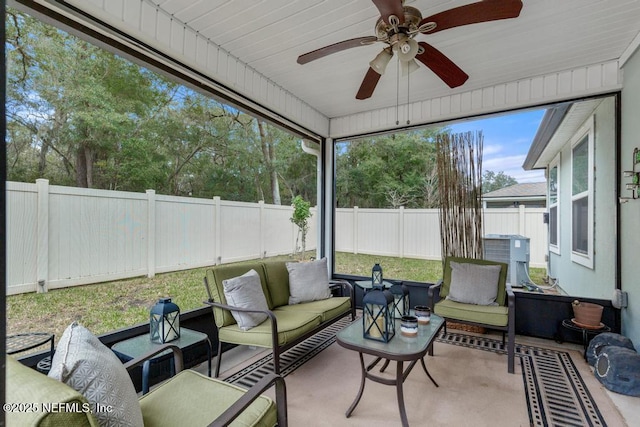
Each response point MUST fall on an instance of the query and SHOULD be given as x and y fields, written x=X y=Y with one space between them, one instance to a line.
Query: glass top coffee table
x=400 y=349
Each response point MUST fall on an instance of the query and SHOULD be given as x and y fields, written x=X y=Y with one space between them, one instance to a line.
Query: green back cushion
x=502 y=281
x=217 y=274
x=278 y=282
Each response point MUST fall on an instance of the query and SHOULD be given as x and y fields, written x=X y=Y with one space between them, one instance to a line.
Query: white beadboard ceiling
x=268 y=35
x=549 y=38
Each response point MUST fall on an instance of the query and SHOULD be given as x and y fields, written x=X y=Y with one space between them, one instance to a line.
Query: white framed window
x=553 y=191
x=582 y=183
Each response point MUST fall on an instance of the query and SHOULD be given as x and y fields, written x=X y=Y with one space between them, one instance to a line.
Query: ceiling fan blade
x=482 y=11
x=442 y=66
x=336 y=47
x=390 y=7
x=368 y=84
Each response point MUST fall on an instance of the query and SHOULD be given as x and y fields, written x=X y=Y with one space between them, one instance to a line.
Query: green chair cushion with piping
x=494 y=315
x=166 y=405
x=327 y=309
x=291 y=325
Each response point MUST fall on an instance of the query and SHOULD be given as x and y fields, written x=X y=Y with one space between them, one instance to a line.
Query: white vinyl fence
x=415 y=233
x=65 y=236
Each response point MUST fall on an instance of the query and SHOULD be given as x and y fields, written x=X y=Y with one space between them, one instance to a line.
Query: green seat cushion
x=277 y=282
x=26 y=385
x=192 y=399
x=494 y=315
x=291 y=325
x=327 y=309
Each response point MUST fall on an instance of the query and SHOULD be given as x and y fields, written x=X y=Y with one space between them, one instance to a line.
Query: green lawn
x=109 y=306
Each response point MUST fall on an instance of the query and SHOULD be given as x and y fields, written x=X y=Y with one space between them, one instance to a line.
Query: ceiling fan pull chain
x=397 y=92
x=408 y=96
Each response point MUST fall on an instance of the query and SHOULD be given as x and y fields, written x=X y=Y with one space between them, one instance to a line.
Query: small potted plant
x=587 y=314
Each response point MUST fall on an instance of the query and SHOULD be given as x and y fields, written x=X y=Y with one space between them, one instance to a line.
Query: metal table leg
x=362 y=379
x=400 y=376
x=426 y=371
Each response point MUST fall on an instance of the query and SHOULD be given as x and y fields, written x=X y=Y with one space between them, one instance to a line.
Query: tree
x=388 y=171
x=492 y=181
x=300 y=217
x=81 y=116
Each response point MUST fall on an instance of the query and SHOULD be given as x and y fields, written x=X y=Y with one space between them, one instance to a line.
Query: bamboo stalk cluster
x=459 y=163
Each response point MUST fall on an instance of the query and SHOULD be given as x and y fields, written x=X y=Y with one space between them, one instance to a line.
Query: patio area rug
x=555 y=393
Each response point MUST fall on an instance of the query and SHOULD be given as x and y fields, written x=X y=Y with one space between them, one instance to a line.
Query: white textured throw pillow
x=474 y=283
x=85 y=364
x=308 y=281
x=246 y=292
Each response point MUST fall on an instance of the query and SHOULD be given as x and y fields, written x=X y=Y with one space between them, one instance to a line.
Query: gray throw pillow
x=474 y=283
x=85 y=364
x=246 y=292
x=308 y=281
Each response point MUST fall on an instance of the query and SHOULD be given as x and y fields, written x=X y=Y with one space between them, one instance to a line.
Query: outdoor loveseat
x=481 y=297
x=290 y=302
x=94 y=389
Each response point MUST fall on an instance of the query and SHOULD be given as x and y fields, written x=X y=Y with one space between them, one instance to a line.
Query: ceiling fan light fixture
x=408 y=67
x=379 y=63
x=408 y=49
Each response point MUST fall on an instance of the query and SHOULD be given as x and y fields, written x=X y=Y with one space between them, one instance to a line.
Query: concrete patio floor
x=627 y=406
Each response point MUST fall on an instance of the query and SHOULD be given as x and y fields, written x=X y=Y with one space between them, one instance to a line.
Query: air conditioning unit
x=513 y=250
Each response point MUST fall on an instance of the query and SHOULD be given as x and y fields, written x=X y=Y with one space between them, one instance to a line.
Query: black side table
x=23 y=342
x=18 y=343
x=587 y=332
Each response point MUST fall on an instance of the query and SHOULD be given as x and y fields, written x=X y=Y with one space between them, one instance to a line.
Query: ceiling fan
x=398 y=26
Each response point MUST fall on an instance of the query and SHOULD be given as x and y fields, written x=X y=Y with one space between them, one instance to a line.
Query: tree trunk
x=269 y=155
x=81 y=167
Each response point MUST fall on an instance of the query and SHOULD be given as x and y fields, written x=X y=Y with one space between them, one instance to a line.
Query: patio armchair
x=188 y=398
x=477 y=298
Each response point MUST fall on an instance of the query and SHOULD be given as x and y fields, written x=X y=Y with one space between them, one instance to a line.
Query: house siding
x=576 y=279
x=630 y=212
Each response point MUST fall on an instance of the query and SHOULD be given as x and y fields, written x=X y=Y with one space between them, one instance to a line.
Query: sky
x=507 y=139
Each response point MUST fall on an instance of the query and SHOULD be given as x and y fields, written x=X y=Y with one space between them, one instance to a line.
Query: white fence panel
x=184 y=233
x=421 y=234
x=378 y=232
x=21 y=239
x=240 y=229
x=345 y=229
x=95 y=235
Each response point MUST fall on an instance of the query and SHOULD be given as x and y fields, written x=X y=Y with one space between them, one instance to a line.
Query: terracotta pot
x=588 y=314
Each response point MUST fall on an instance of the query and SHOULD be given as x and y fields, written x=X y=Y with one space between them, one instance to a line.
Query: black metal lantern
x=378 y=323
x=376 y=277
x=401 y=303
x=164 y=321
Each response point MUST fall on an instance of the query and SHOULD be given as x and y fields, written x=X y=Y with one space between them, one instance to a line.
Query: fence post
x=522 y=221
x=42 y=186
x=151 y=233
x=355 y=230
x=217 y=230
x=401 y=231
x=261 y=226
